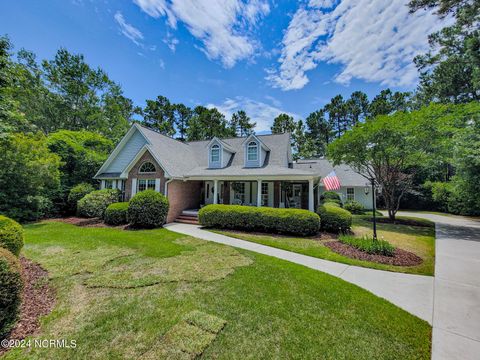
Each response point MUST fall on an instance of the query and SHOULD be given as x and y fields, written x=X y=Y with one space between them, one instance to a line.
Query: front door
x=208 y=192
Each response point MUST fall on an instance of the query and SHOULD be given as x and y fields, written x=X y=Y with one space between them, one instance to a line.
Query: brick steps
x=187 y=219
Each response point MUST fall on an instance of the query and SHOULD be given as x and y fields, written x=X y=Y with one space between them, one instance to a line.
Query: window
x=264 y=194
x=146 y=184
x=147 y=167
x=215 y=154
x=350 y=194
x=252 y=151
x=239 y=193
x=108 y=184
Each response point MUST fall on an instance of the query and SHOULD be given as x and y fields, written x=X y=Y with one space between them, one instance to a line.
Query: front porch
x=300 y=194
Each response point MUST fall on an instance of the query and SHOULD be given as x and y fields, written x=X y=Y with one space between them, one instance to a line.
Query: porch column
x=215 y=191
x=311 y=205
x=259 y=192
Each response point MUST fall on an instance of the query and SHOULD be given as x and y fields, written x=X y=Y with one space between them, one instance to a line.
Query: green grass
x=245 y=306
x=419 y=240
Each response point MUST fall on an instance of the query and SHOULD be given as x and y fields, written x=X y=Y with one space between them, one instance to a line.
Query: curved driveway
x=456 y=309
x=450 y=300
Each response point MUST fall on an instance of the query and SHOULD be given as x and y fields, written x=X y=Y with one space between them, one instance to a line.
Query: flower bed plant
x=369 y=245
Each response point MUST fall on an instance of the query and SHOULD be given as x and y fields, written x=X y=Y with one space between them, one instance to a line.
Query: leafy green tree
x=450 y=71
x=283 y=123
x=28 y=176
x=182 y=116
x=81 y=152
x=206 y=124
x=87 y=99
x=357 y=108
x=241 y=125
x=11 y=117
x=387 y=102
x=318 y=132
x=337 y=115
x=385 y=149
x=303 y=146
x=159 y=115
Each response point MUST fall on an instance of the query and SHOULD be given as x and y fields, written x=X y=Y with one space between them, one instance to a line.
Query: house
x=257 y=170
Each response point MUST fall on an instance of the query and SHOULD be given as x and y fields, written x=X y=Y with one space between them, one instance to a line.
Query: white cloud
x=171 y=41
x=373 y=40
x=260 y=112
x=223 y=26
x=128 y=30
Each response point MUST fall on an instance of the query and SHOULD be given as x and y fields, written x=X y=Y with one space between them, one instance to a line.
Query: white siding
x=365 y=200
x=127 y=154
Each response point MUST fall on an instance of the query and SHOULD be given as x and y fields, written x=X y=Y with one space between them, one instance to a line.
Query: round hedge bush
x=11 y=286
x=116 y=213
x=334 y=218
x=354 y=207
x=148 y=209
x=95 y=203
x=11 y=235
x=286 y=221
x=330 y=195
x=76 y=193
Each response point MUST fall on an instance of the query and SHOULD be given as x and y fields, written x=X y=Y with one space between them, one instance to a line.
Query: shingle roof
x=190 y=159
x=346 y=175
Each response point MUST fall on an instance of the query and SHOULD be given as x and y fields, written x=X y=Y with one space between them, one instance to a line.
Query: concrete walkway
x=413 y=293
x=456 y=315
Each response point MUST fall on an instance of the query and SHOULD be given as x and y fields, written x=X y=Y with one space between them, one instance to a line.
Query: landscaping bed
x=400 y=257
x=38 y=299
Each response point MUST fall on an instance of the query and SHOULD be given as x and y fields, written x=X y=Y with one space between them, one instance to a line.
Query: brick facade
x=158 y=174
x=183 y=195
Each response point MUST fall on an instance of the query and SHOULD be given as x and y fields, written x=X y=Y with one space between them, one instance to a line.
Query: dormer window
x=215 y=154
x=147 y=167
x=252 y=151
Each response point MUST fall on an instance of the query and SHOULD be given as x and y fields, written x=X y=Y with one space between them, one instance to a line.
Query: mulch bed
x=38 y=300
x=84 y=222
x=401 y=257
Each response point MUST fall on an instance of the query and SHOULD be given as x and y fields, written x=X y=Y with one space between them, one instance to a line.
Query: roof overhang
x=253 y=177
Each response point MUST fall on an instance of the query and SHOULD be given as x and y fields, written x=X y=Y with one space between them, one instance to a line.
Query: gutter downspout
x=166 y=186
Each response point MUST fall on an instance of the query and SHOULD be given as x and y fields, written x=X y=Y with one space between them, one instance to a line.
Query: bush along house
x=257 y=170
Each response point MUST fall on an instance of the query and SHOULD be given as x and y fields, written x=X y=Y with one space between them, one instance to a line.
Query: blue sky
x=265 y=56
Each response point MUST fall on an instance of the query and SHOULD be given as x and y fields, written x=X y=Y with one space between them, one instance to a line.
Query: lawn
x=157 y=294
x=419 y=240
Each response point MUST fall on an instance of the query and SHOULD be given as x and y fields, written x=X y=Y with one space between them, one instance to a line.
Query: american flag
x=331 y=181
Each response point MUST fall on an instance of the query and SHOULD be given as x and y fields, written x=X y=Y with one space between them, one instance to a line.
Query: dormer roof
x=260 y=142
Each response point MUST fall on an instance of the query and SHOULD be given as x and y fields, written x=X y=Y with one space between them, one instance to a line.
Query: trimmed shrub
x=11 y=235
x=76 y=193
x=116 y=213
x=368 y=245
x=330 y=195
x=354 y=207
x=95 y=203
x=148 y=209
x=334 y=218
x=11 y=287
x=286 y=221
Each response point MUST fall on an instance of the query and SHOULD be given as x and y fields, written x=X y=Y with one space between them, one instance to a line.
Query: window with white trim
x=145 y=184
x=215 y=154
x=108 y=184
x=252 y=151
x=350 y=194
x=147 y=167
